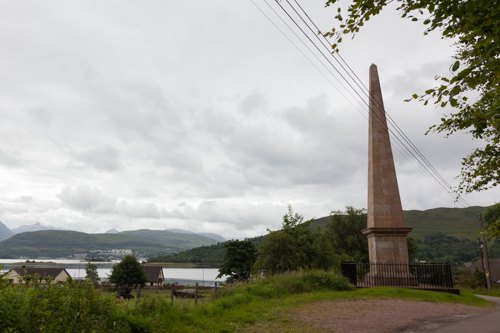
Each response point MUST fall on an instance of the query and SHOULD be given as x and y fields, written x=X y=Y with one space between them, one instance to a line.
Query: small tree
x=128 y=274
x=296 y=247
x=238 y=260
x=280 y=253
x=344 y=230
x=92 y=275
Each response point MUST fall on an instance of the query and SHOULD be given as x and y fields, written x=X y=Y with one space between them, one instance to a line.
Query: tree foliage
x=238 y=260
x=344 y=230
x=475 y=26
x=439 y=247
x=280 y=253
x=492 y=218
x=296 y=246
x=128 y=274
x=91 y=273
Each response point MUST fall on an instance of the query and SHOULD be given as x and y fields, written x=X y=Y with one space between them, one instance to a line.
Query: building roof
x=494 y=268
x=42 y=272
x=154 y=273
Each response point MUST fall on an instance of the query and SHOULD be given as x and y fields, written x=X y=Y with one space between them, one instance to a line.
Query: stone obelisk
x=386 y=230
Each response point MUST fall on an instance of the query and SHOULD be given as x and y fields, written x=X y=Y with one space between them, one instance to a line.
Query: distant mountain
x=112 y=231
x=34 y=227
x=5 y=232
x=180 y=231
x=57 y=243
x=218 y=238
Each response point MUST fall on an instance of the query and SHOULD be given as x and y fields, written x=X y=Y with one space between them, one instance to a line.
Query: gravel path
x=372 y=316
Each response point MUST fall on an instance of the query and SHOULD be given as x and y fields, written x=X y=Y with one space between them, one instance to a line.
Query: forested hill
x=56 y=243
x=450 y=232
x=458 y=222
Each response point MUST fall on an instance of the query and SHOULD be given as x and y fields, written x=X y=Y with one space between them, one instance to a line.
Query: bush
x=67 y=307
x=467 y=279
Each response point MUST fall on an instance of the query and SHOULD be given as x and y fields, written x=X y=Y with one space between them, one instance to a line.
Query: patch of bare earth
x=369 y=316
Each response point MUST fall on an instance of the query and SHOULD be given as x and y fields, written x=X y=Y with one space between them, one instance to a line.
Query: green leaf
x=455 y=66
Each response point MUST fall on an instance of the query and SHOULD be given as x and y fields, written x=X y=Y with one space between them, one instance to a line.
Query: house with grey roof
x=494 y=269
x=24 y=274
x=155 y=275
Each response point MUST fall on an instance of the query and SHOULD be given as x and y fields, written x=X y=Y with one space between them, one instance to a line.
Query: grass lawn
x=245 y=309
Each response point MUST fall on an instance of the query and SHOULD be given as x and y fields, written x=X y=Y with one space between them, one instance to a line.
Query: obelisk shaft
x=386 y=229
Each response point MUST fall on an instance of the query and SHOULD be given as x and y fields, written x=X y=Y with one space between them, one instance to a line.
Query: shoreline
x=162 y=264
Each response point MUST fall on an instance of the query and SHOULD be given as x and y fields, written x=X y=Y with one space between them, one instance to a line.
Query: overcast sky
x=201 y=115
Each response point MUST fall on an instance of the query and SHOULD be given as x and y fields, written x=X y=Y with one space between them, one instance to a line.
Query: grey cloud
x=10 y=159
x=41 y=116
x=105 y=158
x=149 y=210
x=27 y=199
x=87 y=198
x=252 y=102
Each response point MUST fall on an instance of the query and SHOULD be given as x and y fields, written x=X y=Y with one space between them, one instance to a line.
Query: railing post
x=172 y=291
x=196 y=293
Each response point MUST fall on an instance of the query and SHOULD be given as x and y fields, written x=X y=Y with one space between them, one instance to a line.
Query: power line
x=402 y=139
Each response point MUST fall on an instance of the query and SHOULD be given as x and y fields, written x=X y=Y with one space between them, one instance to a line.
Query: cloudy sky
x=201 y=115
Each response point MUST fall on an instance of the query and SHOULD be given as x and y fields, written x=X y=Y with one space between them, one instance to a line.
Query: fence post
x=196 y=293
x=215 y=290
x=172 y=291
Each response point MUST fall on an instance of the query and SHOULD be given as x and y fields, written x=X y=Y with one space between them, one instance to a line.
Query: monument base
x=387 y=245
x=387 y=279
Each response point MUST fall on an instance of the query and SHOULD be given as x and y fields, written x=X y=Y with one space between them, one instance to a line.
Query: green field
x=458 y=222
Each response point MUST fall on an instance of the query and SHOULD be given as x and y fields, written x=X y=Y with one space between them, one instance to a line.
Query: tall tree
x=475 y=26
x=238 y=260
x=91 y=273
x=128 y=274
x=344 y=230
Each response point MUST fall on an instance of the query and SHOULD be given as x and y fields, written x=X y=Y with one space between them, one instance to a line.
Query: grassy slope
x=180 y=240
x=61 y=243
x=252 y=308
x=458 y=222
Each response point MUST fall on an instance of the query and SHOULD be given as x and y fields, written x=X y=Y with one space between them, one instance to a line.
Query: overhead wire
x=360 y=84
x=380 y=108
x=397 y=133
x=311 y=51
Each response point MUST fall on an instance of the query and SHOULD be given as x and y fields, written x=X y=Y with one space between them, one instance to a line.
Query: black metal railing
x=413 y=275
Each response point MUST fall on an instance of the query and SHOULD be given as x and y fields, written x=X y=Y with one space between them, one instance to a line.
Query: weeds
x=73 y=307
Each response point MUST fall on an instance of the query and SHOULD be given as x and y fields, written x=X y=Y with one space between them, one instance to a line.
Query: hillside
x=55 y=243
x=458 y=222
x=179 y=240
